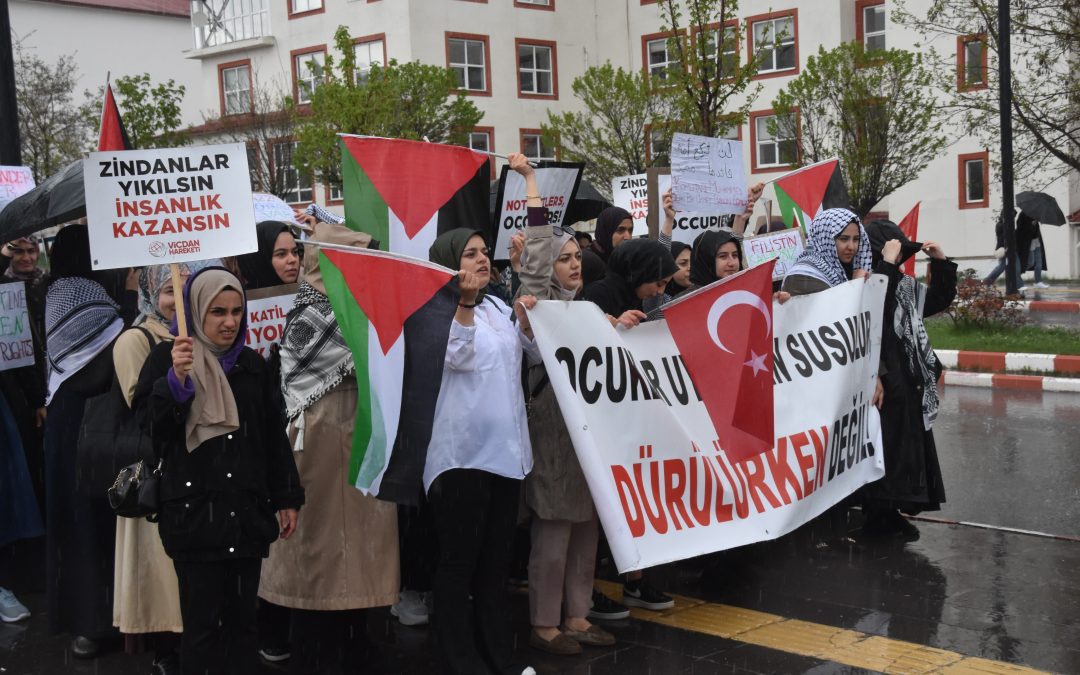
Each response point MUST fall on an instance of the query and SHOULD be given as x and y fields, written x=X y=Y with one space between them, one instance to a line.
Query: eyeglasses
x=568 y=230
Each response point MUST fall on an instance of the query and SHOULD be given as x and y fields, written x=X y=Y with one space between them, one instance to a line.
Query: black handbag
x=109 y=439
x=136 y=493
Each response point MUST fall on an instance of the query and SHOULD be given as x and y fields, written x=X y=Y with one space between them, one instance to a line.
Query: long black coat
x=220 y=500
x=912 y=481
x=1027 y=231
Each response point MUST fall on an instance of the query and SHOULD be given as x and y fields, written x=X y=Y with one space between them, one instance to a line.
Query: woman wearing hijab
x=81 y=323
x=614 y=226
x=478 y=454
x=346 y=561
x=213 y=409
x=565 y=528
x=913 y=481
x=145 y=596
x=716 y=255
x=276 y=262
x=837 y=251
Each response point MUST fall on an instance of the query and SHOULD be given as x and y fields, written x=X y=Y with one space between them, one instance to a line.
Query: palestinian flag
x=910 y=227
x=805 y=192
x=112 y=134
x=397 y=333
x=406 y=193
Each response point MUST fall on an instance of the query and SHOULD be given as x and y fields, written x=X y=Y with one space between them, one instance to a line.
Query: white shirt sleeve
x=461 y=349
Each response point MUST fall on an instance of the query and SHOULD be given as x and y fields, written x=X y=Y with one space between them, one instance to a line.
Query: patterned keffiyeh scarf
x=314 y=356
x=81 y=321
x=819 y=260
x=922 y=362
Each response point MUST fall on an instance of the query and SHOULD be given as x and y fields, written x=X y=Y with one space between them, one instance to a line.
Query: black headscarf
x=640 y=261
x=257 y=268
x=677 y=247
x=703 y=260
x=881 y=231
x=606 y=224
x=70 y=257
x=447 y=248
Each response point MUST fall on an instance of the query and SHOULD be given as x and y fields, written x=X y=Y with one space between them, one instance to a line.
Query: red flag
x=724 y=333
x=112 y=136
x=910 y=227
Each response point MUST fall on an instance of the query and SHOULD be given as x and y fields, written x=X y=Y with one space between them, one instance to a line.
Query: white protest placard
x=688 y=224
x=557 y=183
x=14 y=181
x=16 y=341
x=785 y=246
x=267 y=309
x=632 y=194
x=269 y=207
x=707 y=174
x=664 y=487
x=153 y=207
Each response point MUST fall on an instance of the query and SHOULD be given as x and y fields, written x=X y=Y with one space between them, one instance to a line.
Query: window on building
x=480 y=141
x=219 y=22
x=468 y=60
x=368 y=53
x=661 y=59
x=775 y=143
x=873 y=27
x=236 y=89
x=304 y=6
x=774 y=41
x=974 y=170
x=335 y=193
x=535 y=3
x=971 y=62
x=536 y=69
x=308 y=70
x=534 y=147
x=294 y=187
x=659 y=150
x=729 y=59
x=254 y=168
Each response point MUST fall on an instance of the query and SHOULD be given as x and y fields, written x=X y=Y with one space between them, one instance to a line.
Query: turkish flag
x=724 y=334
x=112 y=136
x=910 y=227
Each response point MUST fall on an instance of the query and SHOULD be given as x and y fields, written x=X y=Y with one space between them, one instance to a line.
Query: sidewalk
x=998 y=370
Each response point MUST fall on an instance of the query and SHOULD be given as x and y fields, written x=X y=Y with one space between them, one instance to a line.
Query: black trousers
x=326 y=642
x=475 y=513
x=418 y=544
x=217 y=604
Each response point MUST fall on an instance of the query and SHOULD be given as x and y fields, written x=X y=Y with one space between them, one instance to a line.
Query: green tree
x=52 y=129
x=1045 y=80
x=868 y=110
x=610 y=135
x=409 y=100
x=712 y=88
x=151 y=113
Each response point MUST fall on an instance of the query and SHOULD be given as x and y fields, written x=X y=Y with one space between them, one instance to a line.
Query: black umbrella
x=59 y=199
x=1041 y=207
x=587 y=204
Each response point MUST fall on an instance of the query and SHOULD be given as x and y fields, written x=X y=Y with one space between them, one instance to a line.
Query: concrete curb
x=1048 y=306
x=1022 y=382
x=999 y=362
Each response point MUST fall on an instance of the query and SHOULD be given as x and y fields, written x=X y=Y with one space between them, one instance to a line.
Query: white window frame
x=762 y=138
x=772 y=36
x=302 y=6
x=541 y=3
x=867 y=34
x=286 y=174
x=981 y=164
x=538 y=156
x=220 y=22
x=978 y=63
x=463 y=68
x=713 y=34
x=308 y=80
x=658 y=70
x=473 y=137
x=535 y=72
x=237 y=100
x=375 y=54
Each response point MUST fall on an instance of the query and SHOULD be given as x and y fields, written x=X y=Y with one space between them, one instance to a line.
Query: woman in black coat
x=638 y=269
x=912 y=482
x=213 y=410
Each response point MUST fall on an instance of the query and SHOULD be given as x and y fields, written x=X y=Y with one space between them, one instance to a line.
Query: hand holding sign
x=707 y=174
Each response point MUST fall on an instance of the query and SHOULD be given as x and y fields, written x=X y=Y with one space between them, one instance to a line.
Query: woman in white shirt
x=478 y=455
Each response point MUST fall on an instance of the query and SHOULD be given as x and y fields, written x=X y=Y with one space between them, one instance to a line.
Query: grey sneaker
x=11 y=609
x=411 y=609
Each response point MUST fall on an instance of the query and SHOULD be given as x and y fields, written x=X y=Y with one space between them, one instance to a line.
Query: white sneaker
x=10 y=608
x=1042 y=285
x=1021 y=289
x=410 y=609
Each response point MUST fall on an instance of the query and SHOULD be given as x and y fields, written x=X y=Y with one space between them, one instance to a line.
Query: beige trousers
x=561 y=569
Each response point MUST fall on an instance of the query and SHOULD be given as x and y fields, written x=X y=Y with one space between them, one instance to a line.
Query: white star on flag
x=756 y=362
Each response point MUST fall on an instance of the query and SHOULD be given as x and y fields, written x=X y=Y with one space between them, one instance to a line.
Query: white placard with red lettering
x=632 y=194
x=557 y=185
x=153 y=207
x=14 y=181
x=267 y=309
x=16 y=341
x=785 y=246
x=663 y=487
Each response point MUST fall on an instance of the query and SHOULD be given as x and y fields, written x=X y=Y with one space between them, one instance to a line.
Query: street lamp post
x=1008 y=211
x=9 y=109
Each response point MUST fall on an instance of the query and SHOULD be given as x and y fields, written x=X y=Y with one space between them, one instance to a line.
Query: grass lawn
x=1028 y=339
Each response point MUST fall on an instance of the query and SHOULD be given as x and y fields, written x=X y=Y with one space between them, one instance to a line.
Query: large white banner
x=150 y=207
x=557 y=185
x=663 y=487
